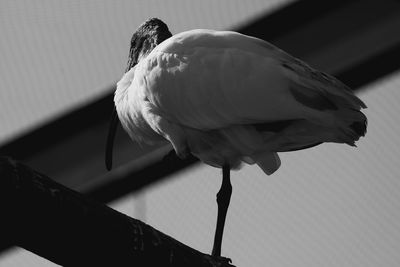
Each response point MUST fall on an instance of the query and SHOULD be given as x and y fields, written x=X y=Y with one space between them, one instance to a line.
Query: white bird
x=229 y=98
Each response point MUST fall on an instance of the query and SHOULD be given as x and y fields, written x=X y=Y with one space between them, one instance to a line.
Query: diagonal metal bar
x=69 y=229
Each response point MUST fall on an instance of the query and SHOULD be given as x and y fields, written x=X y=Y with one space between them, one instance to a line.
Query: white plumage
x=229 y=98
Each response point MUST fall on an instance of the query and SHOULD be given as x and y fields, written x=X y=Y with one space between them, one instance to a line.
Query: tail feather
x=360 y=127
x=269 y=162
x=352 y=125
x=346 y=100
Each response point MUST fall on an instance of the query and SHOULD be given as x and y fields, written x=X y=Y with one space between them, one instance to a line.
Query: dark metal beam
x=290 y=18
x=372 y=68
x=70 y=229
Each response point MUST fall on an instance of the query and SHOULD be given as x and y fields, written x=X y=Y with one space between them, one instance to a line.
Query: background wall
x=331 y=205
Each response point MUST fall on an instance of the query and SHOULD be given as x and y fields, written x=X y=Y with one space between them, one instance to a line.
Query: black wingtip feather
x=359 y=127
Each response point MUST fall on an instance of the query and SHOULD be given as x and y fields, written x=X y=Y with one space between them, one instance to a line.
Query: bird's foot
x=219 y=261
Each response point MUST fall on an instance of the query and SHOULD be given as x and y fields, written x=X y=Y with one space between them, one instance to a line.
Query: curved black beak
x=110 y=138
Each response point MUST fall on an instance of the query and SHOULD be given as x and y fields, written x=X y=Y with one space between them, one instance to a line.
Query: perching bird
x=229 y=98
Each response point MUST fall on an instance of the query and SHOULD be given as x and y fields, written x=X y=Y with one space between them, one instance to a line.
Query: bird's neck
x=128 y=104
x=122 y=86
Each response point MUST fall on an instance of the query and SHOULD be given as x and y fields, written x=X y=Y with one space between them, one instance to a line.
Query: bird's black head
x=151 y=33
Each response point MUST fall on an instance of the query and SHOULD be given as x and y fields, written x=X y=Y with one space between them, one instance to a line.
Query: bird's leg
x=223 y=199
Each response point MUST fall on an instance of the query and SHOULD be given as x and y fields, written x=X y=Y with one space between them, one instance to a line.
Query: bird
x=228 y=99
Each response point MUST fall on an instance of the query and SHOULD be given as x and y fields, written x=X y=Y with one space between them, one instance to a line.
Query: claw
x=219 y=261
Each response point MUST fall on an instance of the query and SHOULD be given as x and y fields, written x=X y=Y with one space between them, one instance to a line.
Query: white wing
x=215 y=79
x=224 y=81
